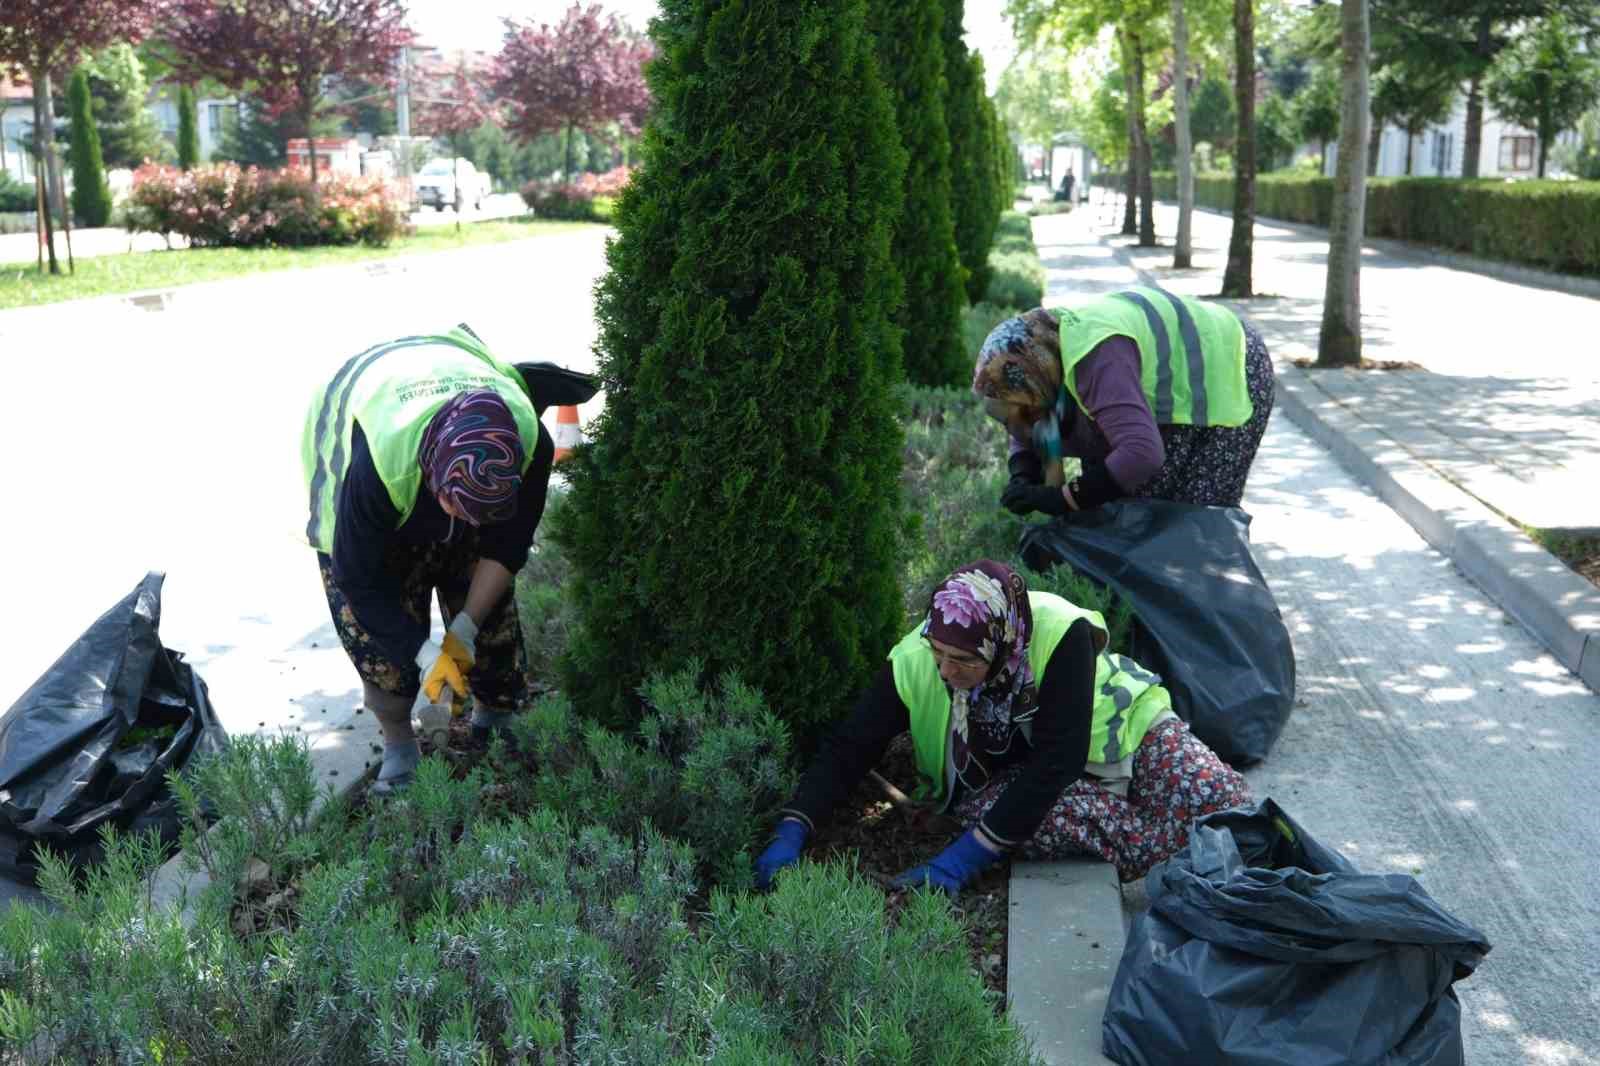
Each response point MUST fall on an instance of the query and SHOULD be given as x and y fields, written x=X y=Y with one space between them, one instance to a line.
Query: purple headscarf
x=472 y=453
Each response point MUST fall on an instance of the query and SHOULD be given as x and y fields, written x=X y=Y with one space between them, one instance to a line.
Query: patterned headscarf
x=1020 y=363
x=983 y=608
x=472 y=453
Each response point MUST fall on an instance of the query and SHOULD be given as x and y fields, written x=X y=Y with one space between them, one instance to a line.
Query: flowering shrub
x=226 y=205
x=574 y=199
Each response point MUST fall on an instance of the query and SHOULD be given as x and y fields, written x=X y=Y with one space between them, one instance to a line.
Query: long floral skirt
x=1176 y=779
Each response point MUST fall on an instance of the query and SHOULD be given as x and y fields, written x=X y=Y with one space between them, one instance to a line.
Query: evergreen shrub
x=188 y=130
x=16 y=196
x=91 y=195
x=973 y=202
x=737 y=505
x=912 y=58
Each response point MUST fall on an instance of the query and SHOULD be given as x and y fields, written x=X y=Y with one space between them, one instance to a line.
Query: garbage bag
x=92 y=740
x=1206 y=621
x=1262 y=946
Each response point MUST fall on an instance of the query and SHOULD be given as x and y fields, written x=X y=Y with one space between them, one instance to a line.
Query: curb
x=1556 y=605
x=1516 y=273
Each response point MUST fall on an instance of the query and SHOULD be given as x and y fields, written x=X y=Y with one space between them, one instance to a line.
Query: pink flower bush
x=225 y=205
x=575 y=199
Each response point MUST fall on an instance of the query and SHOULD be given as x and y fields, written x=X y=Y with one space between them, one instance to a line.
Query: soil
x=1365 y=364
x=1580 y=553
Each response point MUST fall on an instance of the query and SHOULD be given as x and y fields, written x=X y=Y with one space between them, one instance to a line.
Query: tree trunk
x=1547 y=132
x=1339 y=343
x=1374 y=142
x=1183 y=250
x=1147 y=199
x=54 y=187
x=1472 y=142
x=1130 y=224
x=566 y=159
x=308 y=116
x=41 y=153
x=1236 y=281
x=1409 y=139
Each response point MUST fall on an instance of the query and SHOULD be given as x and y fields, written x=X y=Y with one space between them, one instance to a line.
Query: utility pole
x=402 y=113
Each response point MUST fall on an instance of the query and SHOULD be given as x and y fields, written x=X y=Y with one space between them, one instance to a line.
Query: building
x=213 y=115
x=16 y=129
x=1506 y=151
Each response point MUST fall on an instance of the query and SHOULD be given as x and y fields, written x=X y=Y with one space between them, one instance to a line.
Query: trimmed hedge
x=1016 y=277
x=1549 y=224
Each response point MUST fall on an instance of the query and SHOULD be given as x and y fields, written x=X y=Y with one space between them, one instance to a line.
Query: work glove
x=787 y=840
x=1025 y=468
x=439 y=671
x=953 y=869
x=461 y=641
x=1019 y=498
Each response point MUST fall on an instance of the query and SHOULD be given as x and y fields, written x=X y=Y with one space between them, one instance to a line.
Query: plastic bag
x=93 y=739
x=1262 y=946
x=1205 y=619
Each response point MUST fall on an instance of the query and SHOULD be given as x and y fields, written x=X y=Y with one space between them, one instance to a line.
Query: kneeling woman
x=1041 y=741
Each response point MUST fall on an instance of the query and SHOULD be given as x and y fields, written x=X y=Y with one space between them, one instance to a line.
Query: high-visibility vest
x=393 y=390
x=1127 y=698
x=1191 y=353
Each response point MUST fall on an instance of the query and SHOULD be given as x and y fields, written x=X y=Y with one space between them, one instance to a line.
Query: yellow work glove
x=461 y=641
x=439 y=671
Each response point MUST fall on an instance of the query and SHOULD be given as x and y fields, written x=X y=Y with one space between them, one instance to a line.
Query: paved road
x=1433 y=736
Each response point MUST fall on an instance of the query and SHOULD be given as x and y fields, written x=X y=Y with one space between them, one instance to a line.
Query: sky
x=477 y=23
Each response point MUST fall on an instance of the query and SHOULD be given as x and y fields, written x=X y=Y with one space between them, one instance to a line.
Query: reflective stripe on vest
x=403 y=396
x=1191 y=353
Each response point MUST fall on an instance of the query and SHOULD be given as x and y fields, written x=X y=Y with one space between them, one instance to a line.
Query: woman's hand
x=1025 y=499
x=787 y=840
x=953 y=868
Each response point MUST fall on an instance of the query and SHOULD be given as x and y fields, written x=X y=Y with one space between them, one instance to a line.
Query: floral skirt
x=1176 y=779
x=1209 y=464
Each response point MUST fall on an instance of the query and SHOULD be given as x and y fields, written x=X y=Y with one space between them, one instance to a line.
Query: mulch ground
x=1365 y=364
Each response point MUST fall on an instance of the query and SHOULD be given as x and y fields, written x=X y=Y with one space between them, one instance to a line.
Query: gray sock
x=399 y=760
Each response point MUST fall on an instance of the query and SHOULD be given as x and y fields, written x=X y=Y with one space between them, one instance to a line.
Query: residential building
x=1506 y=150
x=16 y=128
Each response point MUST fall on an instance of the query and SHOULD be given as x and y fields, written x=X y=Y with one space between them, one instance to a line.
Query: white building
x=16 y=127
x=1506 y=150
x=212 y=116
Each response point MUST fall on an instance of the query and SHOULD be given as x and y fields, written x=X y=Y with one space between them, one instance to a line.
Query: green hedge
x=1016 y=277
x=1550 y=224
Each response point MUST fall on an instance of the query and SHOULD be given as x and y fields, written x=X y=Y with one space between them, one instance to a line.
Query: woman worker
x=426 y=466
x=1022 y=723
x=1161 y=396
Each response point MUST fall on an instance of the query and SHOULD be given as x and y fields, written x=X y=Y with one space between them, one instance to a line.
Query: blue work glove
x=952 y=868
x=787 y=840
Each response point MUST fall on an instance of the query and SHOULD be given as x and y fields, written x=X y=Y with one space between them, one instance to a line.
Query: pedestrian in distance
x=1042 y=742
x=426 y=467
x=1160 y=396
x=1067 y=184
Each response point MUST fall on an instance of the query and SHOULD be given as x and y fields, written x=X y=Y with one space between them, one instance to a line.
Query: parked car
x=436 y=184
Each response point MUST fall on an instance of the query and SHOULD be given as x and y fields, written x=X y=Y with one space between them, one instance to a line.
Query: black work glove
x=1025 y=468
x=1094 y=487
x=1019 y=498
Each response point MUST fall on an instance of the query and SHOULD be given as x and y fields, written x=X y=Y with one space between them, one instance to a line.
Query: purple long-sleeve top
x=1122 y=431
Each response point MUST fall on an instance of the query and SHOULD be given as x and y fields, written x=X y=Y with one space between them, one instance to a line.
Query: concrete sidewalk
x=1410 y=686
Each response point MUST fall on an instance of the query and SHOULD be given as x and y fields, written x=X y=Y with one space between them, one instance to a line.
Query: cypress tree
x=188 y=130
x=911 y=55
x=972 y=196
x=91 y=196
x=739 y=504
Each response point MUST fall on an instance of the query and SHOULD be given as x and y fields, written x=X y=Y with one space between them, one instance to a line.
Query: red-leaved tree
x=584 y=74
x=451 y=107
x=43 y=37
x=284 y=52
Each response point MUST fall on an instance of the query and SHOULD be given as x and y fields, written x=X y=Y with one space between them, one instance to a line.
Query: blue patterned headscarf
x=1020 y=363
x=472 y=454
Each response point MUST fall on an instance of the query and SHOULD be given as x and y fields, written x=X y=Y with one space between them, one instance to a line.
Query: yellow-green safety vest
x=394 y=390
x=1191 y=353
x=1128 y=699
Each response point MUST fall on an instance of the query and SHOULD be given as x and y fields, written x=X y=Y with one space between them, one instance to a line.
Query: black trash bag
x=92 y=741
x=1262 y=946
x=1205 y=619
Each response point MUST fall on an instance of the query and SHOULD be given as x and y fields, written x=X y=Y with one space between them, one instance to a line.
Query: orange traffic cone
x=568 y=436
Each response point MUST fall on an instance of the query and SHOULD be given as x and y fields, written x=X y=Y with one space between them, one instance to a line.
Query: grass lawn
x=21 y=285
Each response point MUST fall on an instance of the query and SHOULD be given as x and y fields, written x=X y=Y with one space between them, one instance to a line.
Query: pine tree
x=739 y=503
x=972 y=199
x=188 y=130
x=911 y=56
x=91 y=196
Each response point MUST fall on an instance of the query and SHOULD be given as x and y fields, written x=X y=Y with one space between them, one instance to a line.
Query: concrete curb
x=1517 y=274
x=1065 y=941
x=1556 y=605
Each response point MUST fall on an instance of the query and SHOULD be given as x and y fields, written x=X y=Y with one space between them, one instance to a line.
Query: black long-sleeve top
x=365 y=528
x=1053 y=760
